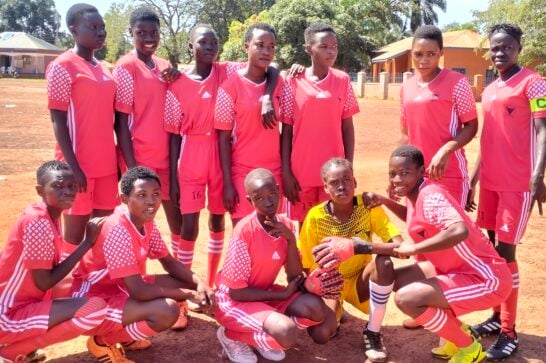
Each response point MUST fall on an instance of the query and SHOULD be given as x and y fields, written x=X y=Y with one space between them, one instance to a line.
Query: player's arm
x=538 y=189
x=231 y=199
x=175 y=142
x=269 y=120
x=291 y=186
x=142 y=291
x=474 y=179
x=256 y=294
x=398 y=209
x=348 y=135
x=45 y=279
x=454 y=234
x=123 y=135
x=404 y=137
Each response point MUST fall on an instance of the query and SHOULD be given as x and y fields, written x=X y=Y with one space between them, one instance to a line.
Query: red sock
x=135 y=331
x=255 y=339
x=443 y=323
x=185 y=252
x=175 y=241
x=304 y=323
x=509 y=307
x=86 y=318
x=216 y=245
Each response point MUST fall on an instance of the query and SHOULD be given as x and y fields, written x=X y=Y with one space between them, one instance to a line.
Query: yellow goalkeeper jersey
x=363 y=223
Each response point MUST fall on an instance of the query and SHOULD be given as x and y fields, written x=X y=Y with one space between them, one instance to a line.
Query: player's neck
x=201 y=69
x=510 y=72
x=54 y=213
x=412 y=196
x=424 y=79
x=146 y=59
x=85 y=53
x=262 y=218
x=317 y=72
x=341 y=212
x=254 y=74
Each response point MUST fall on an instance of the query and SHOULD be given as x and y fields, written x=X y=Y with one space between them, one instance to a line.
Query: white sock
x=379 y=295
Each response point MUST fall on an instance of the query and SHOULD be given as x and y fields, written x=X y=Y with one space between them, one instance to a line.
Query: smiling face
x=263 y=193
x=204 y=45
x=89 y=31
x=261 y=48
x=340 y=184
x=323 y=49
x=426 y=55
x=145 y=35
x=504 y=50
x=58 y=189
x=143 y=201
x=404 y=175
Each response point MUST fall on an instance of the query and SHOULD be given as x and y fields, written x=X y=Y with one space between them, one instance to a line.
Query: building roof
x=22 y=43
x=456 y=39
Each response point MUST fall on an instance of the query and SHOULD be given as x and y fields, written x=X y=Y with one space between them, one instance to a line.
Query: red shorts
x=199 y=170
x=309 y=197
x=457 y=188
x=102 y=193
x=506 y=213
x=466 y=293
x=244 y=207
x=24 y=322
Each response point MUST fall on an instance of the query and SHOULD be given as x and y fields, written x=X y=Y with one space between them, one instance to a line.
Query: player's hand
x=279 y=229
x=371 y=200
x=390 y=192
x=174 y=192
x=405 y=249
x=437 y=166
x=231 y=198
x=332 y=251
x=293 y=287
x=291 y=187
x=327 y=284
x=170 y=74
x=471 y=205
x=269 y=119
x=80 y=179
x=206 y=296
x=538 y=193
x=295 y=70
x=92 y=229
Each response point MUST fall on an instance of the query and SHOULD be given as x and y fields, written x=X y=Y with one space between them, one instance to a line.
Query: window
x=460 y=70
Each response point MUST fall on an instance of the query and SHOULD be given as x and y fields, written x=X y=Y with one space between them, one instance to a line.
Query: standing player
x=243 y=143
x=510 y=169
x=317 y=110
x=438 y=114
x=31 y=266
x=139 y=305
x=366 y=286
x=81 y=94
x=459 y=271
x=250 y=308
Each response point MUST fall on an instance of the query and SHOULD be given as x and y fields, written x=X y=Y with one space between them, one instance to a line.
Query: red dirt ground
x=26 y=140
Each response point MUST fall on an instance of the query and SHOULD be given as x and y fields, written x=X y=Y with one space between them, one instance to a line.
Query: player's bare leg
x=174 y=220
x=309 y=312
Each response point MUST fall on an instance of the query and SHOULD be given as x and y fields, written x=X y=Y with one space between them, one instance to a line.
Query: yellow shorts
x=350 y=295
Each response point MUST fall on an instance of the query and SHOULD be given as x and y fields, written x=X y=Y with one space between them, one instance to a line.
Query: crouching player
x=366 y=287
x=459 y=272
x=250 y=308
x=30 y=266
x=139 y=305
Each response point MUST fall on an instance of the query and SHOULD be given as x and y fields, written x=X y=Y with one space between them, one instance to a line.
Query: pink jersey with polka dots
x=86 y=92
x=35 y=242
x=238 y=109
x=254 y=257
x=120 y=251
x=316 y=110
x=434 y=113
x=508 y=135
x=141 y=95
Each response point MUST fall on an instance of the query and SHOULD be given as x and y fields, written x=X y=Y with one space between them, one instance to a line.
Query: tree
x=458 y=26
x=234 y=47
x=423 y=12
x=118 y=41
x=36 y=17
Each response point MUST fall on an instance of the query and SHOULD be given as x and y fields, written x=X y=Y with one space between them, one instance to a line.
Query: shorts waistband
x=208 y=135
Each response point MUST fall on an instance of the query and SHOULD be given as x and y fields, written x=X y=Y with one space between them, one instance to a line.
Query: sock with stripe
x=304 y=323
x=379 y=296
x=509 y=307
x=175 y=241
x=185 y=252
x=215 y=247
x=86 y=318
x=443 y=323
x=138 y=330
x=255 y=339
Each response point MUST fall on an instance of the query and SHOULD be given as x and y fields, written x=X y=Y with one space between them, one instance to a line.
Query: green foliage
x=36 y=17
x=118 y=41
x=234 y=48
x=460 y=26
x=423 y=12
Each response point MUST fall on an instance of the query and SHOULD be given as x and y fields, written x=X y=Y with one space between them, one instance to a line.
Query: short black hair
x=76 y=11
x=511 y=29
x=258 y=173
x=315 y=28
x=48 y=166
x=430 y=32
x=411 y=152
x=132 y=175
x=334 y=162
x=261 y=26
x=143 y=13
x=201 y=25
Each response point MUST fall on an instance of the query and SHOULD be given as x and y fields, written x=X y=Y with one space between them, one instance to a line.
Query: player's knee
x=313 y=307
x=285 y=332
x=507 y=251
x=217 y=223
x=384 y=267
x=166 y=315
x=404 y=300
x=322 y=333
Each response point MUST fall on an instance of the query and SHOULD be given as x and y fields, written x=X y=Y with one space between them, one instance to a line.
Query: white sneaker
x=237 y=352
x=275 y=355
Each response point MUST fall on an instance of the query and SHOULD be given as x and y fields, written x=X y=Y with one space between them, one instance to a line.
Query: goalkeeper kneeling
x=368 y=282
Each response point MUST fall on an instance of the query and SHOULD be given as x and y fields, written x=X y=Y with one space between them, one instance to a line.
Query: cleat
x=491 y=326
x=373 y=346
x=237 y=352
x=137 y=345
x=275 y=355
x=182 y=321
x=472 y=354
x=448 y=349
x=107 y=353
x=503 y=347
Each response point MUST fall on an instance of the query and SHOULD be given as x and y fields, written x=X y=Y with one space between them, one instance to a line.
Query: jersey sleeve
x=158 y=249
x=236 y=269
x=59 y=87
x=351 y=104
x=439 y=212
x=381 y=224
x=307 y=240
x=232 y=67
x=38 y=244
x=536 y=93
x=119 y=255
x=224 y=113
x=288 y=103
x=173 y=113
x=463 y=99
x=125 y=92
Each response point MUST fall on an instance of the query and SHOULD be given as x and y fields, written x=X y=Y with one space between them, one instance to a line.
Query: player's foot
x=503 y=347
x=36 y=357
x=373 y=345
x=472 y=354
x=276 y=355
x=491 y=326
x=411 y=324
x=448 y=349
x=182 y=321
x=137 y=345
x=107 y=353
x=237 y=352
x=194 y=307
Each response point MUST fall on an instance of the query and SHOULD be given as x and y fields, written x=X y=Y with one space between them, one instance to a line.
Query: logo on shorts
x=505 y=228
x=276 y=256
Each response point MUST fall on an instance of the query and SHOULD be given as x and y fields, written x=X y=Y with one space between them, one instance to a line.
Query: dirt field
x=26 y=140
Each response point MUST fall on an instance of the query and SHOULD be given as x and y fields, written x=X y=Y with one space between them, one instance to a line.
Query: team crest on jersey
x=276 y=256
x=206 y=95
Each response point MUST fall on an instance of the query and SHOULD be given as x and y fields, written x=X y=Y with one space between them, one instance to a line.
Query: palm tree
x=423 y=12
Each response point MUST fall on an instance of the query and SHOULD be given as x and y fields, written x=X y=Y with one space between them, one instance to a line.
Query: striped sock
x=379 y=295
x=138 y=330
x=215 y=247
x=185 y=252
x=443 y=323
x=304 y=323
x=509 y=307
x=175 y=242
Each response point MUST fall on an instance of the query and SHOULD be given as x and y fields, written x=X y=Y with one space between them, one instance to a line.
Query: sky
x=457 y=10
